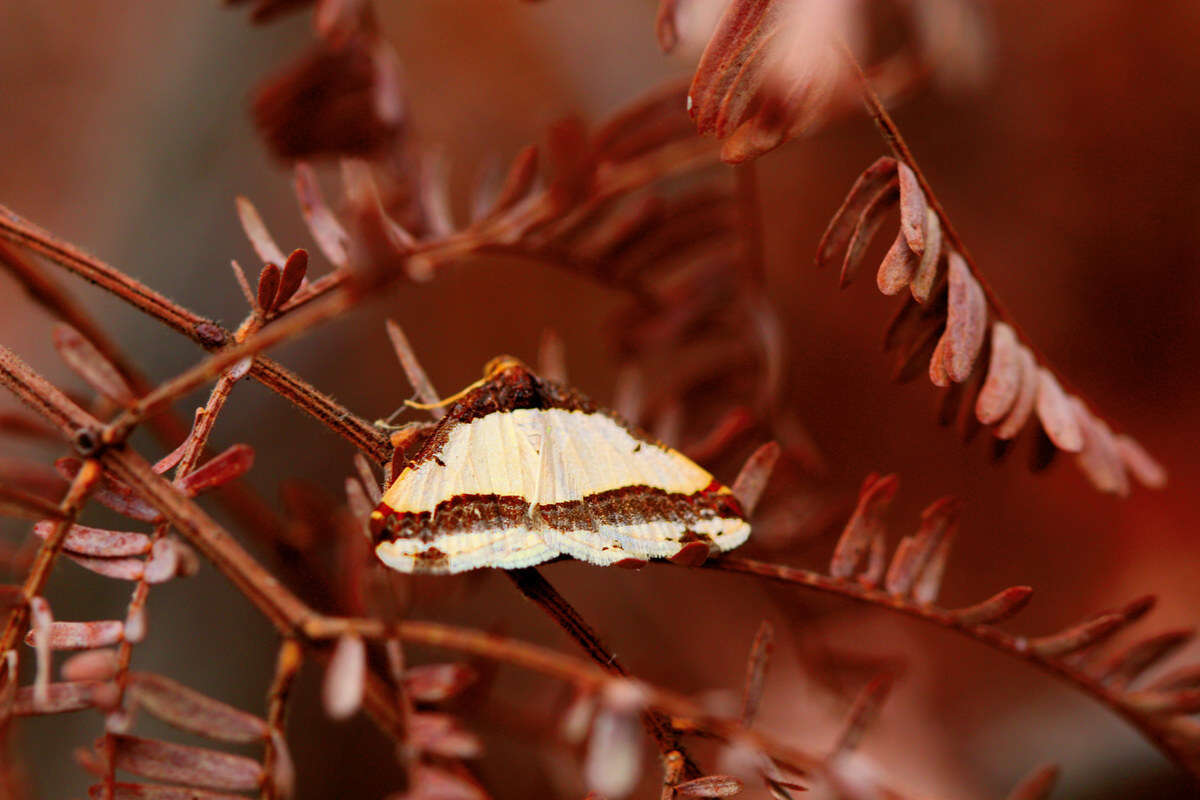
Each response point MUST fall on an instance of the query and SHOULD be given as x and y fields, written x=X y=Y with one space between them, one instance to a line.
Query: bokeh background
x=1070 y=168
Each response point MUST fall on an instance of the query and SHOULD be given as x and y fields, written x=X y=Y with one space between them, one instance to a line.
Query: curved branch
x=1015 y=646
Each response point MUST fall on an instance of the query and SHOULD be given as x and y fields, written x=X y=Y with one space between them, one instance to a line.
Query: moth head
x=501 y=363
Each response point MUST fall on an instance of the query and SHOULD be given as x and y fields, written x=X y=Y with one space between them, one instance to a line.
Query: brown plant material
x=88 y=362
x=709 y=786
x=1037 y=785
x=1016 y=385
x=160 y=760
x=756 y=672
x=996 y=608
x=345 y=678
x=340 y=98
x=863 y=713
x=155 y=791
x=626 y=205
x=436 y=683
x=751 y=481
x=192 y=711
x=864 y=524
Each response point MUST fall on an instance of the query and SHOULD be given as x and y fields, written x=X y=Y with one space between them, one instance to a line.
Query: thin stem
x=28 y=235
x=534 y=586
x=993 y=637
x=685 y=714
x=85 y=480
x=287 y=665
x=168 y=428
x=900 y=149
x=327 y=308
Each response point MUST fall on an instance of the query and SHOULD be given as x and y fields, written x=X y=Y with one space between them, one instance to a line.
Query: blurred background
x=1069 y=166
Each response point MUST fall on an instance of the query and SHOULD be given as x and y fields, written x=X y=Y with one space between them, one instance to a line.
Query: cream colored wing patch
x=513 y=488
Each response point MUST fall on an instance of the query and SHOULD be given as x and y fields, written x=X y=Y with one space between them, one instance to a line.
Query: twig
x=987 y=634
x=534 y=586
x=35 y=581
x=287 y=664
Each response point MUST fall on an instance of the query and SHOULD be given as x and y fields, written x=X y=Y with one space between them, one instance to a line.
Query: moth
x=522 y=470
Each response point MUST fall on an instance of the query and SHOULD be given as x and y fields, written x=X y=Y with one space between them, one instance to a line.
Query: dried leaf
x=121 y=569
x=222 y=468
x=193 y=765
x=294 y=271
x=256 y=231
x=613 y=762
x=1057 y=416
x=1141 y=464
x=926 y=278
x=1179 y=701
x=82 y=635
x=913 y=209
x=1037 y=785
x=898 y=267
x=83 y=357
x=876 y=562
x=18 y=503
x=939 y=376
x=864 y=712
x=650 y=123
x=866 y=228
x=90 y=665
x=1003 y=383
x=427 y=782
x=709 y=786
x=665 y=27
x=752 y=479
x=268 y=288
x=1099 y=459
x=327 y=232
x=435 y=683
x=519 y=181
x=865 y=523
x=844 y=222
x=433 y=192
x=57 y=698
x=738 y=36
x=283 y=769
x=112 y=493
x=163 y=564
x=756 y=672
x=929 y=583
x=17 y=423
x=1027 y=395
x=442 y=735
x=340 y=98
x=735 y=422
x=1124 y=667
x=1077 y=637
x=97 y=541
x=996 y=608
x=41 y=636
x=154 y=791
x=189 y=710
x=966 y=321
x=914 y=554
x=413 y=370
x=345 y=678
